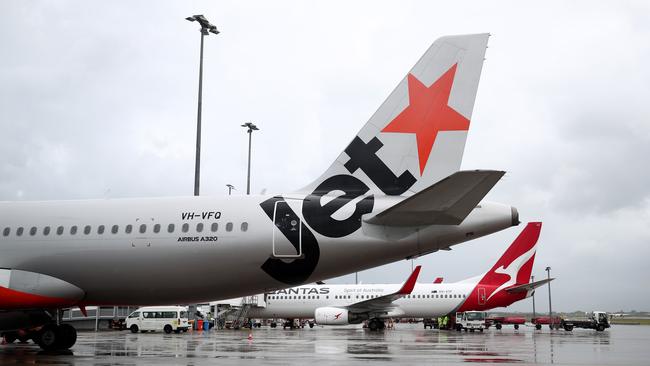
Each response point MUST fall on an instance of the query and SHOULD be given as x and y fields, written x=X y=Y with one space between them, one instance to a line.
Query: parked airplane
x=506 y=283
x=394 y=192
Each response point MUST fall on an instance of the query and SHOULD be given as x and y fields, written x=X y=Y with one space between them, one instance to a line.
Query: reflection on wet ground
x=407 y=344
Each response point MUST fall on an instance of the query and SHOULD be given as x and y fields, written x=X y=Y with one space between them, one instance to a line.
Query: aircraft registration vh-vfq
x=507 y=282
x=395 y=192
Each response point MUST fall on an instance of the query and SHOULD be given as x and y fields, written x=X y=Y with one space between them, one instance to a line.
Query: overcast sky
x=98 y=99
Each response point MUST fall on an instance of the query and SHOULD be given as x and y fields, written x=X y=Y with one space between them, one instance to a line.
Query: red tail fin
x=513 y=268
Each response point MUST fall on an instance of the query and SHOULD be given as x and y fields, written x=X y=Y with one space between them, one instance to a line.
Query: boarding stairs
x=247 y=302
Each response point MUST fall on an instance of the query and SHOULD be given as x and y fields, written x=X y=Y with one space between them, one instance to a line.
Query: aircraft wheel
x=24 y=338
x=134 y=328
x=10 y=337
x=538 y=326
x=168 y=329
x=516 y=326
x=311 y=325
x=373 y=325
x=48 y=337
x=498 y=326
x=67 y=336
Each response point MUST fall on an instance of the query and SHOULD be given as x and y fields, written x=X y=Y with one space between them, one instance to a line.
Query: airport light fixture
x=550 y=308
x=532 y=279
x=230 y=188
x=251 y=127
x=206 y=29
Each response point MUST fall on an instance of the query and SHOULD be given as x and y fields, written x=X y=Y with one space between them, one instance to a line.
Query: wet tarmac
x=408 y=344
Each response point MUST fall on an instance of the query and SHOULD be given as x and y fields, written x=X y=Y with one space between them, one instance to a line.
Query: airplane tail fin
x=507 y=280
x=516 y=264
x=417 y=136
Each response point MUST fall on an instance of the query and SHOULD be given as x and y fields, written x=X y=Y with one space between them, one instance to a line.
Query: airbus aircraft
x=394 y=192
x=504 y=284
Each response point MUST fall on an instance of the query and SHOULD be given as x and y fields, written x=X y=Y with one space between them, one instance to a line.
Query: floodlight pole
x=251 y=127
x=230 y=188
x=206 y=28
x=532 y=279
x=550 y=308
x=197 y=165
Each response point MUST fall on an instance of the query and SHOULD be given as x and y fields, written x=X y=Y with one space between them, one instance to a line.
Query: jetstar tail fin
x=417 y=136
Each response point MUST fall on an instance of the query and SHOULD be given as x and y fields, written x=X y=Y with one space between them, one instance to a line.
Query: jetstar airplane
x=394 y=192
x=506 y=283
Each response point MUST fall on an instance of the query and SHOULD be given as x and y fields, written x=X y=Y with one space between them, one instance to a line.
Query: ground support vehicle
x=500 y=321
x=156 y=318
x=545 y=320
x=598 y=320
x=470 y=321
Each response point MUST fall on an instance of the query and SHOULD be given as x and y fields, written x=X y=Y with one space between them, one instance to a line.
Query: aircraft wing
x=529 y=286
x=385 y=302
x=447 y=202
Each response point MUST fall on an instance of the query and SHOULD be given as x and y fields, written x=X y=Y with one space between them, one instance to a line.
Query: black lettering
x=364 y=156
x=320 y=217
x=298 y=270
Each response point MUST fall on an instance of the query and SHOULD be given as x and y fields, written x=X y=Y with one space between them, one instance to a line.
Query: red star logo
x=428 y=113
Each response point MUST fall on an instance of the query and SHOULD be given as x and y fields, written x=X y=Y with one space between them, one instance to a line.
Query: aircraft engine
x=331 y=316
x=337 y=316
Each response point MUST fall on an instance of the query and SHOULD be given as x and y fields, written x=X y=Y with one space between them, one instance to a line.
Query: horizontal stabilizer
x=529 y=286
x=447 y=202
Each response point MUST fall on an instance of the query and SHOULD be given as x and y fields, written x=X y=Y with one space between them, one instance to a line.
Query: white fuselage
x=165 y=265
x=425 y=301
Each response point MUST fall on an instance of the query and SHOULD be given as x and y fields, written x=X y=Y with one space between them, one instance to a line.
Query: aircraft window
x=170 y=228
x=19 y=231
x=229 y=227
x=156 y=228
x=32 y=231
x=73 y=230
x=143 y=228
x=128 y=229
x=199 y=227
x=46 y=231
x=327 y=297
x=464 y=296
x=115 y=229
x=357 y=296
x=59 y=230
x=100 y=229
x=244 y=226
x=186 y=227
x=6 y=231
x=87 y=229
x=214 y=226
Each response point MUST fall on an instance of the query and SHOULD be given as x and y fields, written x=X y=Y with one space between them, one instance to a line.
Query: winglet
x=408 y=286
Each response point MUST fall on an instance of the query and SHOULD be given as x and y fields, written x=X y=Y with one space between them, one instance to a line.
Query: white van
x=155 y=318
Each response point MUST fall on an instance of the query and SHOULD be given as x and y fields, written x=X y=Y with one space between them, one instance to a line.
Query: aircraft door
x=287 y=230
x=481 y=296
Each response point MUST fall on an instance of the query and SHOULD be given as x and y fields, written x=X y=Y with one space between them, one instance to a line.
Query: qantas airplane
x=504 y=284
x=394 y=192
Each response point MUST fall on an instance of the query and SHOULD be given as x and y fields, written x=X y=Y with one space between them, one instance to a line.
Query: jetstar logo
x=428 y=113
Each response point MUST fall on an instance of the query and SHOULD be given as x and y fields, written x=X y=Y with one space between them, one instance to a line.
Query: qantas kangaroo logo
x=512 y=270
x=337 y=316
